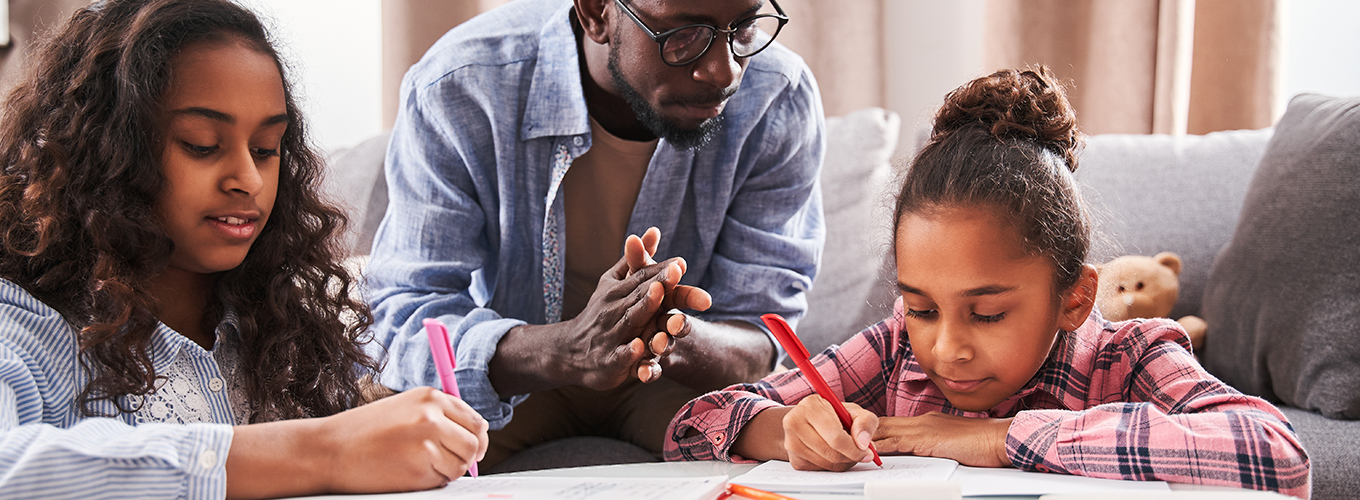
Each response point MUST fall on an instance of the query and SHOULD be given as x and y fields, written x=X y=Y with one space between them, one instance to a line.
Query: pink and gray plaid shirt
x=1114 y=400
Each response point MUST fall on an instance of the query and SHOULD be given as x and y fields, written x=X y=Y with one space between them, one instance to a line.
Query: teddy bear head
x=1137 y=286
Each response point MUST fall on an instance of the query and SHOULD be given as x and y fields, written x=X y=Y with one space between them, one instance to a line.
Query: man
x=531 y=142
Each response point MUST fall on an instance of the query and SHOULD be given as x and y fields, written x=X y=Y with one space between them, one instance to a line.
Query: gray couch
x=1149 y=193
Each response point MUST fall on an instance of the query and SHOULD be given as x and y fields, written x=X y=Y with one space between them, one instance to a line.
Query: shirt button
x=578 y=140
x=718 y=439
x=215 y=384
x=207 y=459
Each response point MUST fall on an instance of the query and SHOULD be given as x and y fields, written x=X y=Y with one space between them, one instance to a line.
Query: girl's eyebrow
x=219 y=116
x=987 y=290
x=210 y=114
x=905 y=288
x=974 y=292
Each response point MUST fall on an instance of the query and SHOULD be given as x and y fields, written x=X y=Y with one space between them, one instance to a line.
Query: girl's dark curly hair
x=80 y=144
x=1008 y=141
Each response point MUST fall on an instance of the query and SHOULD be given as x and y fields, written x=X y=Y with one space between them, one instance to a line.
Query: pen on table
x=784 y=334
x=442 y=351
x=749 y=492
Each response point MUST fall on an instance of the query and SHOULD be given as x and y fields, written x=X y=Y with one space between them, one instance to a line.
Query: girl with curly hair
x=174 y=321
x=994 y=355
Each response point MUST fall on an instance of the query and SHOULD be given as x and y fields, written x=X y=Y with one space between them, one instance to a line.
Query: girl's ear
x=1079 y=300
x=594 y=19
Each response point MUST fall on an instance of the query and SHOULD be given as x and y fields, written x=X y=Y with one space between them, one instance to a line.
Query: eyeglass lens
x=748 y=38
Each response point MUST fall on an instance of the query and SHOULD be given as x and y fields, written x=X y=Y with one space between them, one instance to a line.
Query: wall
x=333 y=49
x=349 y=65
x=930 y=47
x=1322 y=47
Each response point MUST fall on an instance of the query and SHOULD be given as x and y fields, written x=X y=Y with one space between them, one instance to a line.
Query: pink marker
x=442 y=351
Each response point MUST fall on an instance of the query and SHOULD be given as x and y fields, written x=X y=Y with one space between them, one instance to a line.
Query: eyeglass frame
x=661 y=37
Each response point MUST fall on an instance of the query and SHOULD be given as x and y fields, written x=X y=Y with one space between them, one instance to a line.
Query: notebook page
x=983 y=481
x=564 y=488
x=780 y=476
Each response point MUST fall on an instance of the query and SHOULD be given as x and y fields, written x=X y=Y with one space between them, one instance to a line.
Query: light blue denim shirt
x=491 y=117
x=174 y=446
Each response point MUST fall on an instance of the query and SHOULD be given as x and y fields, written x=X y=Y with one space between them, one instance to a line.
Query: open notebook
x=563 y=488
x=781 y=477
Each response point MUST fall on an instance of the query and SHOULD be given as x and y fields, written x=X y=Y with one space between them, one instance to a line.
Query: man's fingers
x=688 y=297
x=644 y=306
x=636 y=254
x=630 y=354
x=678 y=324
x=649 y=371
x=665 y=272
x=661 y=344
x=650 y=239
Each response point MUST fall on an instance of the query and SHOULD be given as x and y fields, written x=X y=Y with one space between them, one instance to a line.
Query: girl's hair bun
x=1025 y=104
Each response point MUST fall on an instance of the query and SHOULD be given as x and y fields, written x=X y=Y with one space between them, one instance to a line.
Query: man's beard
x=682 y=138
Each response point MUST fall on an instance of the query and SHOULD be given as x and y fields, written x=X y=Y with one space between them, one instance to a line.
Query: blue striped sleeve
x=104 y=458
x=49 y=450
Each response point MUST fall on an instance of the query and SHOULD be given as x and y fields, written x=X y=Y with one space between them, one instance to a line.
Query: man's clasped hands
x=632 y=321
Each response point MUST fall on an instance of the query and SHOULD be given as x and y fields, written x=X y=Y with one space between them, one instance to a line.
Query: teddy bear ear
x=1170 y=260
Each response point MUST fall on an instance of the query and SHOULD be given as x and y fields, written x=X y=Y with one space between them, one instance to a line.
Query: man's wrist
x=526 y=361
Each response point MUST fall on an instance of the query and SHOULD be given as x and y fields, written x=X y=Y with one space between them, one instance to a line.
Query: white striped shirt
x=174 y=446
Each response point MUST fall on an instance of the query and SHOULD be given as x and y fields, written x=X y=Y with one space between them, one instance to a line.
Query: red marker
x=794 y=347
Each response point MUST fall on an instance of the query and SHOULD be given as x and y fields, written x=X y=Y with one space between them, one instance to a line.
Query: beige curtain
x=1142 y=66
x=841 y=41
x=409 y=28
x=1238 y=75
x=1133 y=66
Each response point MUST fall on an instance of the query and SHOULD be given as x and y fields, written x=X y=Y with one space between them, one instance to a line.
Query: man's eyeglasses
x=688 y=43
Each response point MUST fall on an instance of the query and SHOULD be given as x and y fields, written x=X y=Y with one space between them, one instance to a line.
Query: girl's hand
x=978 y=442
x=815 y=440
x=416 y=440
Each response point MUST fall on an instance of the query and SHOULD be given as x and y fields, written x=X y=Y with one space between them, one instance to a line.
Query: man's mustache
x=707 y=97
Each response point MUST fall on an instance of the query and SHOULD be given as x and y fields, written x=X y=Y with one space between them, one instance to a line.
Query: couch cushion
x=1156 y=193
x=356 y=182
x=1331 y=451
x=856 y=177
x=1283 y=299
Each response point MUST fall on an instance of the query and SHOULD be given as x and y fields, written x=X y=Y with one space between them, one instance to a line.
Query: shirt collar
x=556 y=104
x=166 y=343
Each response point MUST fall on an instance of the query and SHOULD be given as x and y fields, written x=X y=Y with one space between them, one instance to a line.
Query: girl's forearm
x=763 y=436
x=277 y=459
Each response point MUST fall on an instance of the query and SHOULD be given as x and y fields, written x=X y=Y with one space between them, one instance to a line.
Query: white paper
x=984 y=481
x=975 y=481
x=566 y=488
x=781 y=476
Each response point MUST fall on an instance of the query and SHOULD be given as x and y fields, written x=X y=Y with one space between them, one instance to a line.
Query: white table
x=690 y=469
x=713 y=468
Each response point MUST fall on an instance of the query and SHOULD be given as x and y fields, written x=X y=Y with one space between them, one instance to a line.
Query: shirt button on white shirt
x=207 y=459
x=215 y=384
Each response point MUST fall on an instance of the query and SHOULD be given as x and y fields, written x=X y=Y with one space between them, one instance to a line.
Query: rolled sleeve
x=433 y=256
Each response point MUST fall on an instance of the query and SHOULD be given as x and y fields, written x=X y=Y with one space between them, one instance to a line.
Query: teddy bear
x=1137 y=286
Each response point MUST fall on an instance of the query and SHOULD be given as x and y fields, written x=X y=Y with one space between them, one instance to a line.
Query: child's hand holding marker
x=815 y=439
